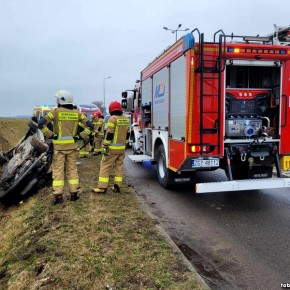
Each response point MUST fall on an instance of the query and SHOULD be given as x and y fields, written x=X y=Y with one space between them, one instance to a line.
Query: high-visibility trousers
x=98 y=144
x=112 y=160
x=64 y=165
x=85 y=151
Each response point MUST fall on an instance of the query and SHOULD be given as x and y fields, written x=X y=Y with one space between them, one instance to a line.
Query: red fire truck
x=203 y=105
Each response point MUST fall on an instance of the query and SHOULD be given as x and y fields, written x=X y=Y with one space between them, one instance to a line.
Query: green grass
x=98 y=241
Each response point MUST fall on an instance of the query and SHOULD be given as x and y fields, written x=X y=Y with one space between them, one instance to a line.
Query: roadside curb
x=200 y=281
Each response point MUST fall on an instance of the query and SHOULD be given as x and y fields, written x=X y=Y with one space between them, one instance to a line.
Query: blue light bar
x=188 y=42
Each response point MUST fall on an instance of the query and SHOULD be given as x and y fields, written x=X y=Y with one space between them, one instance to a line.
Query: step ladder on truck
x=216 y=104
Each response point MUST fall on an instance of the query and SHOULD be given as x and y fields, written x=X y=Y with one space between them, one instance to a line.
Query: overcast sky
x=47 y=45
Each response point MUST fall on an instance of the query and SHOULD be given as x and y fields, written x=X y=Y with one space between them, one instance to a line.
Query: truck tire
x=39 y=145
x=165 y=175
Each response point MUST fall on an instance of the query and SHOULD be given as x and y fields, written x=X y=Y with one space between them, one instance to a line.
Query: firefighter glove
x=55 y=136
x=77 y=138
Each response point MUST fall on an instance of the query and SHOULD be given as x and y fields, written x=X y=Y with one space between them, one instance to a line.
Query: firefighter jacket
x=65 y=126
x=99 y=127
x=95 y=121
x=117 y=133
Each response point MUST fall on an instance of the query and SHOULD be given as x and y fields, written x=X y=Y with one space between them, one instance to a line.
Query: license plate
x=205 y=163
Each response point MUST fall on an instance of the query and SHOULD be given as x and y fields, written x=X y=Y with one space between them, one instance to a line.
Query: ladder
x=211 y=72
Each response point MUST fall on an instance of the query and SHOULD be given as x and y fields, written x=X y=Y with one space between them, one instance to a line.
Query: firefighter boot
x=74 y=196
x=99 y=190
x=57 y=199
x=116 y=188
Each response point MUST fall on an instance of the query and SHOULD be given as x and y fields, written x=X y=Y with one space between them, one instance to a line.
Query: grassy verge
x=97 y=242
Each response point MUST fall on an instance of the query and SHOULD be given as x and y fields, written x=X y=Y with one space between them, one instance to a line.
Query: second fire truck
x=203 y=105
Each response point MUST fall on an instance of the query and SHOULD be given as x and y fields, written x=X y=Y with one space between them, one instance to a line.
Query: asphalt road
x=235 y=240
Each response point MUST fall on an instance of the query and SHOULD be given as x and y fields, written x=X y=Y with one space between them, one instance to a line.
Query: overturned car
x=25 y=166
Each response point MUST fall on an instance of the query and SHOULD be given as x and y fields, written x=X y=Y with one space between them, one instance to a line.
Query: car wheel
x=33 y=125
x=39 y=145
x=3 y=159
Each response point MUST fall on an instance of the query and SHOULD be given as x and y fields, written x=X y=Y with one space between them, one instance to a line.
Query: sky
x=75 y=45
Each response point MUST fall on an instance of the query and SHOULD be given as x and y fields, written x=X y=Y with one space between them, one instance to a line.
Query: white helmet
x=64 y=98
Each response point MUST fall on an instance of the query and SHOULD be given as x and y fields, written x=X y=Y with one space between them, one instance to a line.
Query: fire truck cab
x=203 y=105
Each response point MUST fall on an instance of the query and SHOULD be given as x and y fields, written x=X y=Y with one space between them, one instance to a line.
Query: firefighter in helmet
x=65 y=148
x=114 y=146
x=98 y=121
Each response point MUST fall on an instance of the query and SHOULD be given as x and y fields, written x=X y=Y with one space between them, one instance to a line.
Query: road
x=235 y=240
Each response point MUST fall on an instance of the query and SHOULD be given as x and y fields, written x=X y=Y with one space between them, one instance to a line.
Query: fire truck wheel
x=165 y=175
x=39 y=145
x=32 y=125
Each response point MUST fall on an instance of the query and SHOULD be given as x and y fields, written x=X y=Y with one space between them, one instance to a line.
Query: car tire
x=39 y=145
x=3 y=159
x=32 y=125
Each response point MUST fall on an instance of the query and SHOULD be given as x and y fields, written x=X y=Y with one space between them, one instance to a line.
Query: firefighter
x=99 y=132
x=114 y=146
x=84 y=143
x=65 y=148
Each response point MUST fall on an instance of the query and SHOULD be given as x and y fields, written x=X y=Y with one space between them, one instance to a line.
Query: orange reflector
x=236 y=50
x=192 y=60
x=195 y=149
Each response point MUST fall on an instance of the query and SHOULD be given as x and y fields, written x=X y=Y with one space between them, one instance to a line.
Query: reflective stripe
x=63 y=141
x=59 y=128
x=117 y=147
x=116 y=135
x=107 y=142
x=66 y=138
x=50 y=115
x=75 y=128
x=44 y=129
x=56 y=183
x=73 y=181
x=117 y=178
x=88 y=131
x=103 y=179
x=111 y=125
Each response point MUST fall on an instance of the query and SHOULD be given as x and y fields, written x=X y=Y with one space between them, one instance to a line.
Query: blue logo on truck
x=159 y=93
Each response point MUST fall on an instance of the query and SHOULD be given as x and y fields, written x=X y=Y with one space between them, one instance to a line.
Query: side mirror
x=124 y=95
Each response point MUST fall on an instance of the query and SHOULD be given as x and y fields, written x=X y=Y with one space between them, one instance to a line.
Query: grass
x=97 y=242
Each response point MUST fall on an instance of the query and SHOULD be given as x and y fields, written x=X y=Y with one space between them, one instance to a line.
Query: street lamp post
x=104 y=87
x=175 y=30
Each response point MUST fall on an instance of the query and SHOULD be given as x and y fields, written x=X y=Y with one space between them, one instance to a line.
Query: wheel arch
x=161 y=140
